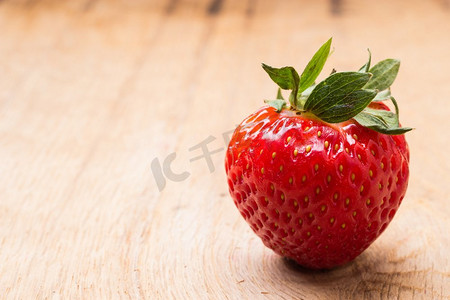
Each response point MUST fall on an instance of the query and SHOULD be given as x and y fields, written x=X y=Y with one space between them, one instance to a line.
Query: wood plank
x=91 y=92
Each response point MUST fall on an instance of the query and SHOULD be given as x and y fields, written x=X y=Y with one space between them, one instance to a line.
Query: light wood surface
x=91 y=92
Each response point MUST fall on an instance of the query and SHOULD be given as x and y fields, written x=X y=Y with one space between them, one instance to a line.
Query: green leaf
x=383 y=95
x=395 y=105
x=340 y=97
x=314 y=67
x=387 y=117
x=286 y=78
x=301 y=100
x=384 y=74
x=381 y=121
x=308 y=91
x=279 y=95
x=278 y=104
x=366 y=67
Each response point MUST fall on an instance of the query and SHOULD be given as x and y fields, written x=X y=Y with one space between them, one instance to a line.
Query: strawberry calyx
x=342 y=95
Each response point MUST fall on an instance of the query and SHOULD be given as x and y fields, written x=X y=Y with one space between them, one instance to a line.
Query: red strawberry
x=317 y=187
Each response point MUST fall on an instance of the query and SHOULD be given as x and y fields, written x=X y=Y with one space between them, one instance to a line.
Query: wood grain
x=91 y=92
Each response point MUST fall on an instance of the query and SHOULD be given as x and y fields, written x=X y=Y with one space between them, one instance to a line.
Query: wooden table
x=95 y=95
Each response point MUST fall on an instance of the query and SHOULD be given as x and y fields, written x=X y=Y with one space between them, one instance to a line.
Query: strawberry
x=320 y=180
